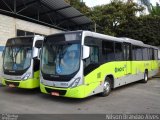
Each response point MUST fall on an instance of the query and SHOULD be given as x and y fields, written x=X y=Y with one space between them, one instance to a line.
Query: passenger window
x=108 y=51
x=138 y=53
x=155 y=54
x=145 y=54
x=93 y=58
x=127 y=51
x=118 y=52
x=92 y=62
x=94 y=54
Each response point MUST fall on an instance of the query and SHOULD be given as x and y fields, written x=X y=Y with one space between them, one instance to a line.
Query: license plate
x=55 y=93
x=12 y=86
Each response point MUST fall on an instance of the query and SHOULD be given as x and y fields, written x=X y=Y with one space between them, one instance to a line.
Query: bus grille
x=61 y=92
x=16 y=84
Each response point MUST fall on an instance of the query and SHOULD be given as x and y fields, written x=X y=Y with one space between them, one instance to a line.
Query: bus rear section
x=21 y=63
x=83 y=63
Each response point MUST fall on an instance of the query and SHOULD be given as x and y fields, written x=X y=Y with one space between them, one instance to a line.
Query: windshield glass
x=60 y=57
x=18 y=54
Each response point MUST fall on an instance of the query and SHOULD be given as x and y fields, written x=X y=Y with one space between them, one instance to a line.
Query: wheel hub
x=106 y=87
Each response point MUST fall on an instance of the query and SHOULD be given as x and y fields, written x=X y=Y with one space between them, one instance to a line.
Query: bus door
x=127 y=58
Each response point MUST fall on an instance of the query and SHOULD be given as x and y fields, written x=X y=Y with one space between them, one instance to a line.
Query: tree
x=79 y=5
x=145 y=28
x=155 y=10
x=119 y=19
x=109 y=17
x=147 y=4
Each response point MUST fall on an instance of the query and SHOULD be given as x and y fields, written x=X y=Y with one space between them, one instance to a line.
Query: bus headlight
x=75 y=83
x=26 y=76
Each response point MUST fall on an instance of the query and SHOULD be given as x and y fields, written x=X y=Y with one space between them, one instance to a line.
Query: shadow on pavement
x=67 y=100
x=20 y=91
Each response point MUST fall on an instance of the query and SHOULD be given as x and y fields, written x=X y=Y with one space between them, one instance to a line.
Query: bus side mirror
x=86 y=52
x=38 y=43
x=35 y=52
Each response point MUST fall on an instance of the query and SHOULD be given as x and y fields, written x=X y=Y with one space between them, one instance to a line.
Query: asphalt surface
x=133 y=98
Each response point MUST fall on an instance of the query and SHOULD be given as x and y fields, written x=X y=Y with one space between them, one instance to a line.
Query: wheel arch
x=111 y=76
x=146 y=70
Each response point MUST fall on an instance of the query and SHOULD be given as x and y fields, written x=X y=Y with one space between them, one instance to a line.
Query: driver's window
x=19 y=57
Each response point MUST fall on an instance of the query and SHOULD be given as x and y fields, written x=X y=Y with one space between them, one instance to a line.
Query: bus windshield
x=18 y=54
x=61 y=57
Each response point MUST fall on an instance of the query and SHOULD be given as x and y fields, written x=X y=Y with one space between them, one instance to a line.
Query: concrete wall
x=9 y=26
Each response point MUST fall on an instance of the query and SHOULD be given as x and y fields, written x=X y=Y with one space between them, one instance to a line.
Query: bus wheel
x=145 y=80
x=106 y=87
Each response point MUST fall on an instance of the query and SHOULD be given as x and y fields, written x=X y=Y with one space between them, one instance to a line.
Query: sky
x=92 y=3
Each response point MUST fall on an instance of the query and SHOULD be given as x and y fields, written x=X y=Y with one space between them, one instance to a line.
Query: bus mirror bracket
x=86 y=52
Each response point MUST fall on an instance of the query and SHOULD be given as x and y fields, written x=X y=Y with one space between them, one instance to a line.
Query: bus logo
x=120 y=69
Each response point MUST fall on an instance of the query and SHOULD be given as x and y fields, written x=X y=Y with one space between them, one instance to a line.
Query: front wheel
x=106 y=87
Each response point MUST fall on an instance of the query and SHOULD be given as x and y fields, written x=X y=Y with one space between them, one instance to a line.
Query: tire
x=145 y=80
x=106 y=87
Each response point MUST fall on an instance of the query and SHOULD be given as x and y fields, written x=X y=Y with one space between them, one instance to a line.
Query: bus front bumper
x=26 y=84
x=77 y=92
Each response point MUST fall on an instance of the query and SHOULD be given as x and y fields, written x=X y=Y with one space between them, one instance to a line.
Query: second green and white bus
x=21 y=63
x=83 y=63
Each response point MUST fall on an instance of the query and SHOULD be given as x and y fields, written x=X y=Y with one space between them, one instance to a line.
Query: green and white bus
x=20 y=62
x=82 y=63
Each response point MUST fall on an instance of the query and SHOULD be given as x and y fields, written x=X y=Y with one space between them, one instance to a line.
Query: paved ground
x=133 y=98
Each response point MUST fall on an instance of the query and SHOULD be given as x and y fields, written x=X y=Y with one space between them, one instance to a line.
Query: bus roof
x=112 y=38
x=25 y=36
x=121 y=39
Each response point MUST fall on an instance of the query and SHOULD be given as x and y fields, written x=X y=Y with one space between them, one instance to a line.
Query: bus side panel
x=154 y=68
x=94 y=80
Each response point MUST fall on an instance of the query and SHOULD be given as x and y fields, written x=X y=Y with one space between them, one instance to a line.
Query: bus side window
x=94 y=55
x=108 y=51
x=127 y=51
x=133 y=53
x=138 y=53
x=145 y=54
x=92 y=62
x=150 y=53
x=155 y=54
x=93 y=58
x=119 y=52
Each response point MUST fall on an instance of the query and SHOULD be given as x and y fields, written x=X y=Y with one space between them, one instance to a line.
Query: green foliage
x=119 y=19
x=79 y=5
x=155 y=10
x=110 y=16
x=144 y=28
x=147 y=4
